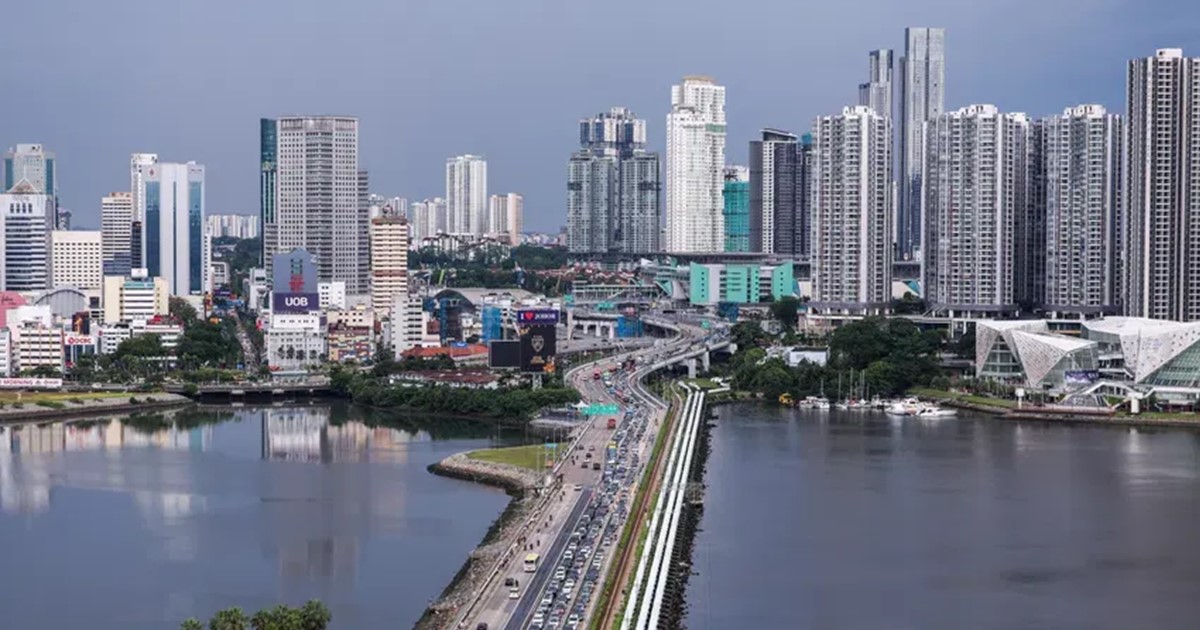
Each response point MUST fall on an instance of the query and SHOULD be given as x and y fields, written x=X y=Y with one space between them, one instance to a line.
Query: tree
x=786 y=310
x=205 y=344
x=191 y=624
x=229 y=619
x=140 y=347
x=184 y=311
x=964 y=347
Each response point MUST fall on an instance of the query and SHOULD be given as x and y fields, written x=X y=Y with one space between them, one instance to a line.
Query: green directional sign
x=602 y=409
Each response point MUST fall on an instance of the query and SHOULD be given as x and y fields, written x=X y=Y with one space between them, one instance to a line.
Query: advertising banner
x=535 y=317
x=31 y=383
x=295 y=302
x=504 y=354
x=1080 y=377
x=537 y=348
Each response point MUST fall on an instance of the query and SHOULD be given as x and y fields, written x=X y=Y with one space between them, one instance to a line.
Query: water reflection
x=198 y=509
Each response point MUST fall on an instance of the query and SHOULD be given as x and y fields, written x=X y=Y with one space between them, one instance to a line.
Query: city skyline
x=406 y=158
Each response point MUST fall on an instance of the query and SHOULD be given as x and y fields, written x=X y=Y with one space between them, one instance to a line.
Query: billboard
x=537 y=346
x=31 y=383
x=294 y=272
x=79 y=340
x=504 y=354
x=1080 y=377
x=536 y=317
x=295 y=302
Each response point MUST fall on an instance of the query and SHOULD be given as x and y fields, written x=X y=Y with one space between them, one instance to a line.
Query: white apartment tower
x=876 y=93
x=1077 y=192
x=466 y=195
x=116 y=230
x=852 y=212
x=922 y=98
x=695 y=166
x=310 y=195
x=976 y=200
x=76 y=259
x=1162 y=234
x=504 y=216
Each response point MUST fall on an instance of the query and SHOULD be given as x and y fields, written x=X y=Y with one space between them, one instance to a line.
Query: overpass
x=309 y=387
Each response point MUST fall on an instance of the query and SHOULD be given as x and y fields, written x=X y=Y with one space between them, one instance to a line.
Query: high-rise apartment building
x=176 y=246
x=27 y=222
x=76 y=259
x=736 y=195
x=241 y=226
x=852 y=212
x=139 y=164
x=1076 y=200
x=1162 y=230
x=428 y=218
x=466 y=195
x=505 y=215
x=34 y=164
x=695 y=166
x=312 y=197
x=774 y=201
x=976 y=202
x=613 y=186
x=389 y=262
x=116 y=233
x=922 y=97
x=876 y=93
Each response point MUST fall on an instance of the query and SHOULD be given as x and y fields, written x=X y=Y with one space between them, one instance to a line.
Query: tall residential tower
x=922 y=98
x=695 y=166
x=466 y=195
x=876 y=93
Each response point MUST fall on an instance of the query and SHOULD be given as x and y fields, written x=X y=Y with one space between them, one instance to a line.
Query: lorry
x=612 y=423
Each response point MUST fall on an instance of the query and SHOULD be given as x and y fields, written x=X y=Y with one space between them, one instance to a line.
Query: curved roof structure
x=1147 y=344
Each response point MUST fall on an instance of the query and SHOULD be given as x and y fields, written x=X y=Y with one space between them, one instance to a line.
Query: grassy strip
x=532 y=457
x=627 y=532
x=39 y=397
x=983 y=401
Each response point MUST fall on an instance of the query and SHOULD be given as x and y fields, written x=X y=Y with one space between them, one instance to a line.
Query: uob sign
x=295 y=302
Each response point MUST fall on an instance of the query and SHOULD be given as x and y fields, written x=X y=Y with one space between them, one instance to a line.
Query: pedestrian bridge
x=308 y=387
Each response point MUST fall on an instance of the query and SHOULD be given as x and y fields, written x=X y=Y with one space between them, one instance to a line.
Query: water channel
x=855 y=520
x=130 y=524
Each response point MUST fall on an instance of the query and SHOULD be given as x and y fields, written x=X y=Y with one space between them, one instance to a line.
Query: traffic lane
x=548 y=563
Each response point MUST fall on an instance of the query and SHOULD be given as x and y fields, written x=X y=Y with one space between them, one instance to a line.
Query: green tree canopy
x=181 y=308
x=140 y=347
x=205 y=344
x=786 y=309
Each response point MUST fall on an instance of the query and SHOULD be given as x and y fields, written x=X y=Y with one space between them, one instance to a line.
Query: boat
x=934 y=412
x=820 y=403
x=906 y=407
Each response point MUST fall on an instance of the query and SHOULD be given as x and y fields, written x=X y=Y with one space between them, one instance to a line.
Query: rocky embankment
x=518 y=482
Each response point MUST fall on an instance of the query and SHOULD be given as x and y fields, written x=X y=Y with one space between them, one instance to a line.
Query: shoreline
x=96 y=407
x=517 y=483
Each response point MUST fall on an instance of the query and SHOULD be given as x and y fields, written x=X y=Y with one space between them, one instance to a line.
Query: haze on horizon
x=429 y=79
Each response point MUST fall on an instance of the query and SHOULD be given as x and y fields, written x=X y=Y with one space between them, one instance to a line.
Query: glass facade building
x=737 y=211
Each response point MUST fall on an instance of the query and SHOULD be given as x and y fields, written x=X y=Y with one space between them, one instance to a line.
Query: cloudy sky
x=95 y=80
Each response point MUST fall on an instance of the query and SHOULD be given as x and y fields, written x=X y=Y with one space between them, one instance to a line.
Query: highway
x=575 y=533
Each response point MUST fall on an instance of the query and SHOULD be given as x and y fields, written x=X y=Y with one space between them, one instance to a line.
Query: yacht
x=906 y=407
x=934 y=412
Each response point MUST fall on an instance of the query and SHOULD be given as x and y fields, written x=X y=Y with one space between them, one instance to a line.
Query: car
x=482 y=625
x=573 y=619
x=514 y=594
x=548 y=601
x=578 y=487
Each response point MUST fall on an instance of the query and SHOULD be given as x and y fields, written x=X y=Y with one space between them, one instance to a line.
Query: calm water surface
x=854 y=520
x=126 y=525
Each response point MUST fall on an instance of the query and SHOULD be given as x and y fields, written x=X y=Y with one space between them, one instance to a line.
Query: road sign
x=602 y=409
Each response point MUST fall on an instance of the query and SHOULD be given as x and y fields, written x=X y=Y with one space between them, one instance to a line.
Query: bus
x=531 y=561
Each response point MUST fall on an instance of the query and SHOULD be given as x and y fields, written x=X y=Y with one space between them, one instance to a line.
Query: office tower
x=312 y=197
x=876 y=93
x=1162 y=231
x=76 y=259
x=504 y=213
x=27 y=223
x=976 y=162
x=139 y=165
x=1077 y=155
x=33 y=163
x=389 y=262
x=176 y=245
x=773 y=190
x=240 y=226
x=922 y=97
x=63 y=218
x=466 y=195
x=736 y=196
x=613 y=186
x=852 y=212
x=695 y=166
x=134 y=297
x=116 y=224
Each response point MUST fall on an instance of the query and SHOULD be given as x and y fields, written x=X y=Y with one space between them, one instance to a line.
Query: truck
x=612 y=423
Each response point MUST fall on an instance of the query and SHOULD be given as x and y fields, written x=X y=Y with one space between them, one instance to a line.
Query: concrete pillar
x=704 y=361
x=612 y=331
x=691 y=366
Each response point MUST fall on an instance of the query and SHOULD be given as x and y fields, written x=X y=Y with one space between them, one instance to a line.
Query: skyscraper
x=876 y=93
x=139 y=163
x=851 y=212
x=116 y=225
x=1077 y=157
x=922 y=97
x=466 y=195
x=1162 y=231
x=976 y=164
x=613 y=186
x=389 y=262
x=695 y=166
x=504 y=216
x=33 y=163
x=774 y=203
x=27 y=221
x=175 y=238
x=736 y=196
x=311 y=195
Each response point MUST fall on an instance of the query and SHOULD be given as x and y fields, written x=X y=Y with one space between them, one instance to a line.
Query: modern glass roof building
x=1025 y=352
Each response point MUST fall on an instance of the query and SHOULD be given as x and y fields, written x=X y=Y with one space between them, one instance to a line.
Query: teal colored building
x=737 y=210
x=739 y=284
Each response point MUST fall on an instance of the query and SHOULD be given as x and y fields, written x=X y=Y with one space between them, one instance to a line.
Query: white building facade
x=852 y=212
x=389 y=262
x=175 y=242
x=466 y=195
x=694 y=179
x=27 y=220
x=76 y=259
x=116 y=230
x=505 y=216
x=295 y=341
